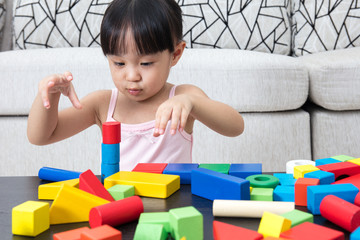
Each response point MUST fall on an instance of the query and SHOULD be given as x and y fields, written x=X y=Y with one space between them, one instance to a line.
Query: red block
x=90 y=183
x=117 y=212
x=224 y=231
x=355 y=179
x=150 y=167
x=104 y=232
x=340 y=212
x=70 y=235
x=341 y=169
x=301 y=189
x=274 y=238
x=111 y=132
x=312 y=231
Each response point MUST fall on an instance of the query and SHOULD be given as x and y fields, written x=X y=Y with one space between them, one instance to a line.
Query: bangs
x=147 y=21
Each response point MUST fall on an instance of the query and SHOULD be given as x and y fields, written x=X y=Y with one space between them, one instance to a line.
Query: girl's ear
x=179 y=49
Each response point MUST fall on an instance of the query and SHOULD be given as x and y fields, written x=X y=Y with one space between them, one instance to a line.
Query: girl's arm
x=192 y=103
x=45 y=124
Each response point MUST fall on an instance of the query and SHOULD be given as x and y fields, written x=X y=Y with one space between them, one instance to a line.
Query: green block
x=262 y=194
x=343 y=158
x=162 y=218
x=296 y=217
x=121 y=191
x=186 y=222
x=147 y=231
x=218 y=167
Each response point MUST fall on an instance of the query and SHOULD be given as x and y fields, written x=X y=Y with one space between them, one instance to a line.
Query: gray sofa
x=296 y=105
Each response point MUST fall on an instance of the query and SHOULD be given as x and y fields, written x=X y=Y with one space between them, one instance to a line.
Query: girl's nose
x=133 y=74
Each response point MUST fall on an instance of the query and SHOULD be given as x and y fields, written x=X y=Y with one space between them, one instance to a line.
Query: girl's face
x=140 y=77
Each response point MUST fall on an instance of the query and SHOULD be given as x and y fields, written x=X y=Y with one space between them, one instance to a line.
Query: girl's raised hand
x=58 y=83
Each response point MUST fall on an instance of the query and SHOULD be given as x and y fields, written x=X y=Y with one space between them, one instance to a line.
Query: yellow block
x=272 y=225
x=356 y=161
x=146 y=184
x=73 y=205
x=300 y=170
x=30 y=218
x=49 y=191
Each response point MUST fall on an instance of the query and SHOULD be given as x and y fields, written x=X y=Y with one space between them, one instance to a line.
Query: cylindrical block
x=250 y=209
x=263 y=181
x=340 y=212
x=56 y=175
x=110 y=153
x=108 y=170
x=293 y=163
x=117 y=212
x=111 y=132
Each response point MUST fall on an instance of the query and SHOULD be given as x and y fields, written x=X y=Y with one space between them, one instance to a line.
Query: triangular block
x=91 y=184
x=224 y=231
x=49 y=191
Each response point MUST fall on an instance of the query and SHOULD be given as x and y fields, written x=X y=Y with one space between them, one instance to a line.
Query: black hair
x=156 y=26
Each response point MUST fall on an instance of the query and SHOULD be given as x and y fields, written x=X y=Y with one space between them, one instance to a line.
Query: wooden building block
x=299 y=171
x=324 y=177
x=117 y=212
x=49 y=191
x=30 y=218
x=91 y=184
x=150 y=167
x=315 y=194
x=355 y=180
x=162 y=218
x=355 y=160
x=56 y=174
x=355 y=235
x=111 y=132
x=297 y=217
x=243 y=170
x=73 y=205
x=272 y=225
x=104 y=232
x=148 y=231
x=261 y=194
x=341 y=169
x=217 y=167
x=146 y=184
x=301 y=186
x=181 y=169
x=214 y=185
x=340 y=212
x=263 y=181
x=70 y=235
x=284 y=193
x=285 y=179
x=119 y=191
x=312 y=231
x=343 y=158
x=225 y=231
x=323 y=161
x=186 y=222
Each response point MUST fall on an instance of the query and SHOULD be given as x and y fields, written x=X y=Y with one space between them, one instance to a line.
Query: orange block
x=301 y=190
x=104 y=232
x=70 y=235
x=224 y=231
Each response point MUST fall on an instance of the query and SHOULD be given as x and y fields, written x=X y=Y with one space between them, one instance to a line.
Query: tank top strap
x=112 y=105
x=172 y=91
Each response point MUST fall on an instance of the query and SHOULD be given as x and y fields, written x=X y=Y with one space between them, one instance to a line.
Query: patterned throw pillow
x=325 y=25
x=2 y=17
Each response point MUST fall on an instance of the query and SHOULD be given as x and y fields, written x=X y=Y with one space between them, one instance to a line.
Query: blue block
x=108 y=170
x=355 y=235
x=56 y=175
x=324 y=161
x=324 y=177
x=283 y=176
x=284 y=193
x=244 y=170
x=214 y=185
x=110 y=153
x=315 y=194
x=287 y=182
x=181 y=169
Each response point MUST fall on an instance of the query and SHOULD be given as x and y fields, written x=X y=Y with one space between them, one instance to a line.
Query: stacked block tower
x=110 y=149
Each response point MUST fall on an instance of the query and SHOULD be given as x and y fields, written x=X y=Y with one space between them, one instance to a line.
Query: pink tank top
x=138 y=145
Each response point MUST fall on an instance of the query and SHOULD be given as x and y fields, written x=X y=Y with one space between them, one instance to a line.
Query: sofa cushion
x=249 y=81
x=325 y=25
x=2 y=17
x=335 y=78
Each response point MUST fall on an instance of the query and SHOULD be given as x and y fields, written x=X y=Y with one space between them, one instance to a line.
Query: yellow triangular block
x=49 y=191
x=73 y=205
x=272 y=225
x=146 y=184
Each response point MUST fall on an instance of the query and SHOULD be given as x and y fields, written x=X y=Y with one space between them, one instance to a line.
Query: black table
x=16 y=190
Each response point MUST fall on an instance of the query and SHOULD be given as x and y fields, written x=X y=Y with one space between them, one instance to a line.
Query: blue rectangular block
x=355 y=235
x=214 y=185
x=181 y=169
x=315 y=194
x=243 y=170
x=287 y=182
x=324 y=161
x=324 y=177
x=284 y=193
x=283 y=176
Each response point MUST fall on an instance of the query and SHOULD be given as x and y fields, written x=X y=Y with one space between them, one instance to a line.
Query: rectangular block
x=284 y=193
x=312 y=231
x=243 y=170
x=150 y=167
x=162 y=218
x=324 y=177
x=121 y=191
x=73 y=234
x=261 y=194
x=299 y=171
x=146 y=184
x=301 y=186
x=150 y=231
x=181 y=169
x=49 y=191
x=187 y=222
x=341 y=169
x=315 y=194
x=323 y=161
x=355 y=180
x=217 y=167
x=104 y=232
x=343 y=158
x=214 y=185
x=297 y=217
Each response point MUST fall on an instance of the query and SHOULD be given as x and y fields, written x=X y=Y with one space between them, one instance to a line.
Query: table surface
x=16 y=190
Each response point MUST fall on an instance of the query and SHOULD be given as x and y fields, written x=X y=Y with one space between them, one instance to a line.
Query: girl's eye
x=146 y=63
x=120 y=64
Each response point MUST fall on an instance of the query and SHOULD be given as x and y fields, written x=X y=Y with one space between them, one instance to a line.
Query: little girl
x=142 y=40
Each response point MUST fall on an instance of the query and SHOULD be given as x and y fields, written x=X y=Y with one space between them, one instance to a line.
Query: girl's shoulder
x=188 y=88
x=99 y=101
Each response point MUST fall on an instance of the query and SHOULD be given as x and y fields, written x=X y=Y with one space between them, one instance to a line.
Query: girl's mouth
x=134 y=91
